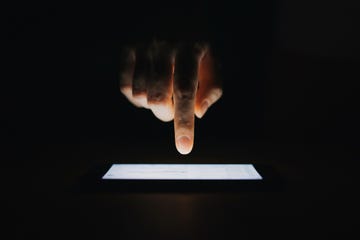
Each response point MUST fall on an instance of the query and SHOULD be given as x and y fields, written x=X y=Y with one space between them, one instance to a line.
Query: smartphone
x=138 y=177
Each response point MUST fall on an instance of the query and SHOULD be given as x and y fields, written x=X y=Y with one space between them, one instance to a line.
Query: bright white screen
x=183 y=171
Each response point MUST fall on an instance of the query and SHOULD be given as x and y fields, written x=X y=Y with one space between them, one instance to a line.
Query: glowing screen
x=183 y=172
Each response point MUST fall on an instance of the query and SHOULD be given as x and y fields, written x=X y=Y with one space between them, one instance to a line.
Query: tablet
x=139 y=177
x=182 y=172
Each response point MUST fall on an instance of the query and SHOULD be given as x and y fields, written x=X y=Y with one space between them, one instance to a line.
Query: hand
x=173 y=82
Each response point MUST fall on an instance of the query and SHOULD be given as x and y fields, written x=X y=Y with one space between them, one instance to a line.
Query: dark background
x=290 y=71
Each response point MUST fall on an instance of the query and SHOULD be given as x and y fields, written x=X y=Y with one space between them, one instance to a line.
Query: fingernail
x=184 y=144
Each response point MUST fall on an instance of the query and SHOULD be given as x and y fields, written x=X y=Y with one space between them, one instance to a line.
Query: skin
x=175 y=83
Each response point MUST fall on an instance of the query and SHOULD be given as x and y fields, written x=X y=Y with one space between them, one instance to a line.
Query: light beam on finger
x=185 y=87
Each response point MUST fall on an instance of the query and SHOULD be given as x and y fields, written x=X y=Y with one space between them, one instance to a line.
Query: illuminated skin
x=174 y=83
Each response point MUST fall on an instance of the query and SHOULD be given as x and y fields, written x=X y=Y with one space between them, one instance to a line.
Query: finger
x=127 y=65
x=159 y=85
x=141 y=74
x=185 y=85
x=209 y=90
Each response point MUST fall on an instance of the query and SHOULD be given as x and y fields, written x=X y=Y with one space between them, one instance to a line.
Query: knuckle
x=156 y=97
x=217 y=93
x=184 y=122
x=185 y=95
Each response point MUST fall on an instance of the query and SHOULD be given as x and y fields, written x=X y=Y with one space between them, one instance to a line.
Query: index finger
x=185 y=87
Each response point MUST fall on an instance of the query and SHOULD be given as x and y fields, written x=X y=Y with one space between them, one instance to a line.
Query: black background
x=290 y=71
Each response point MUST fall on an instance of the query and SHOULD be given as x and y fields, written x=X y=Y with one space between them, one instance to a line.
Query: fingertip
x=127 y=92
x=139 y=100
x=205 y=101
x=200 y=112
x=184 y=144
x=162 y=111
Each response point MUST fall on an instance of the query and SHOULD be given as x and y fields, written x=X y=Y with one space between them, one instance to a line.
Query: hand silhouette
x=175 y=82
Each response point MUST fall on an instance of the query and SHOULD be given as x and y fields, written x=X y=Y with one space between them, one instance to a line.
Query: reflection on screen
x=183 y=172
